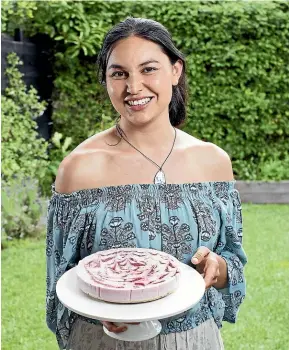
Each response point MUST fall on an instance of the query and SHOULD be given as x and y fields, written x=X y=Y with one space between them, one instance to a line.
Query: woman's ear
x=177 y=72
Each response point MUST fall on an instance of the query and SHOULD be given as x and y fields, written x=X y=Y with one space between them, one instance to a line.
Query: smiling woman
x=144 y=183
x=140 y=82
x=145 y=60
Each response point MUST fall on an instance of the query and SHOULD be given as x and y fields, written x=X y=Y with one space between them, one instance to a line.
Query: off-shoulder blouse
x=174 y=218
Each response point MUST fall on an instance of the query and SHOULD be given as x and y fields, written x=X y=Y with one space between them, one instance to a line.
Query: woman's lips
x=138 y=107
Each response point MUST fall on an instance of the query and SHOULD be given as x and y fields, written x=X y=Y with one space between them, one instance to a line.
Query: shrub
x=24 y=153
x=81 y=107
x=16 y=13
x=274 y=169
x=23 y=210
x=24 y=157
x=58 y=149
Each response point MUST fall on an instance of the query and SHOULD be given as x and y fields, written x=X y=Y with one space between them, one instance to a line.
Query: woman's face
x=139 y=80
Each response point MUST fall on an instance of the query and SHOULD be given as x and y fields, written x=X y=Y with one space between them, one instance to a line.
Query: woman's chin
x=138 y=119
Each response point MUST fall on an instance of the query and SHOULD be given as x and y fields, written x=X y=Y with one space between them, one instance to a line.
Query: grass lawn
x=263 y=321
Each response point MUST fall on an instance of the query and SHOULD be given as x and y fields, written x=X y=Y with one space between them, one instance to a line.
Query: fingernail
x=195 y=260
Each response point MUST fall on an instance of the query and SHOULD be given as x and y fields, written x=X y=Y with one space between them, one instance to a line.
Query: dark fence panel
x=37 y=69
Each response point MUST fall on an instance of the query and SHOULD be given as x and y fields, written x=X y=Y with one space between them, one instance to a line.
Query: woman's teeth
x=139 y=102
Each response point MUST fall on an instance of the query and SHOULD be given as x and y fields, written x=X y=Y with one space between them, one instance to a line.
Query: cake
x=128 y=275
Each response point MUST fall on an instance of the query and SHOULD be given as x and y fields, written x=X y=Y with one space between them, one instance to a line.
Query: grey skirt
x=86 y=336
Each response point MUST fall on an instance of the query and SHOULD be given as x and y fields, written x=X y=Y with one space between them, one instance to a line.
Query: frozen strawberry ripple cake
x=128 y=275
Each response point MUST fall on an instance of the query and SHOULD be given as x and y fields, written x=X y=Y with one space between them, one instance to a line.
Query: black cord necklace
x=160 y=177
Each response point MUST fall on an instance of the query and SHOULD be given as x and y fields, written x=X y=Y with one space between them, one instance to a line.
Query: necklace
x=160 y=177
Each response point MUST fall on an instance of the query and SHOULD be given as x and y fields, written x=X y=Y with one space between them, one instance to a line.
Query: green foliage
x=24 y=153
x=237 y=65
x=275 y=169
x=77 y=26
x=24 y=157
x=80 y=112
x=59 y=149
x=15 y=14
x=22 y=209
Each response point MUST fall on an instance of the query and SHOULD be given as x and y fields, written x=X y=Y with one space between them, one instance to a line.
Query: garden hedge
x=238 y=71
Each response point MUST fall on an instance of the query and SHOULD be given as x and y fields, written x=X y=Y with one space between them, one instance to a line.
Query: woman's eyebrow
x=118 y=66
x=148 y=61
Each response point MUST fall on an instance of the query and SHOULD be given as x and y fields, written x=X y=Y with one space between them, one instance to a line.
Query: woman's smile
x=139 y=104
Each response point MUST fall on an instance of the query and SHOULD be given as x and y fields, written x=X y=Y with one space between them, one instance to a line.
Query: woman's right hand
x=112 y=327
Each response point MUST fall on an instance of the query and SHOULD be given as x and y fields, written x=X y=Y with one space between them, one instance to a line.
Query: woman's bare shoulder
x=85 y=164
x=213 y=159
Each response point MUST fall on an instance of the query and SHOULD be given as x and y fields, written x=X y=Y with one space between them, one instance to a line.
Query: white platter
x=188 y=294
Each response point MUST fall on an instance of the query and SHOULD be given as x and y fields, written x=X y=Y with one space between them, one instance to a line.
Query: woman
x=145 y=183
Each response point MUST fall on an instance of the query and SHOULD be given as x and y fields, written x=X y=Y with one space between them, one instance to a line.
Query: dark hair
x=156 y=32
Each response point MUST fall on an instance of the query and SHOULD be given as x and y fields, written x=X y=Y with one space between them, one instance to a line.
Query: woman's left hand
x=207 y=264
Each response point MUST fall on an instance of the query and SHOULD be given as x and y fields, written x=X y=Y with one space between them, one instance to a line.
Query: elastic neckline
x=231 y=184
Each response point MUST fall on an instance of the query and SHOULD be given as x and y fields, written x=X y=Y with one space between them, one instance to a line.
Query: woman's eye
x=117 y=74
x=149 y=69
x=120 y=75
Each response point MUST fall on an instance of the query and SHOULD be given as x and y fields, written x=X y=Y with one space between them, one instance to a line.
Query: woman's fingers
x=207 y=265
x=111 y=327
x=199 y=256
x=211 y=273
x=132 y=322
x=210 y=276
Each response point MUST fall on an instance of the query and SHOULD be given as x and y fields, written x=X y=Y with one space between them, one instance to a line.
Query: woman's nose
x=134 y=85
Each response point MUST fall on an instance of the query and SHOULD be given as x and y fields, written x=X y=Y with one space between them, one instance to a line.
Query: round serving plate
x=190 y=291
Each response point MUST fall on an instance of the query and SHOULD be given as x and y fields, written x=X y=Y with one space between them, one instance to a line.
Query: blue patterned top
x=174 y=218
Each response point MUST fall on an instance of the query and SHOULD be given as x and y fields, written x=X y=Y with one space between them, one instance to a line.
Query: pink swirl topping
x=131 y=268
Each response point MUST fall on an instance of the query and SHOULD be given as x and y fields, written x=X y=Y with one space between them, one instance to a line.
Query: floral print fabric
x=174 y=218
